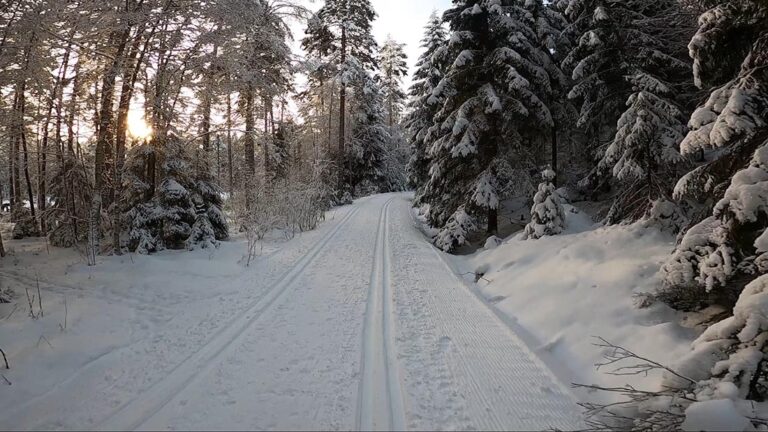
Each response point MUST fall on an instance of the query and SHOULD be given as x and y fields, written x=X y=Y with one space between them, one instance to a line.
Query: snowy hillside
x=564 y=291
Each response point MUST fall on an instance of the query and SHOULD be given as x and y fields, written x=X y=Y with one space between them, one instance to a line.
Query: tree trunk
x=330 y=120
x=229 y=145
x=136 y=58
x=72 y=111
x=2 y=248
x=13 y=157
x=25 y=153
x=56 y=95
x=554 y=154
x=342 y=94
x=104 y=139
x=207 y=102
x=266 y=139
x=493 y=221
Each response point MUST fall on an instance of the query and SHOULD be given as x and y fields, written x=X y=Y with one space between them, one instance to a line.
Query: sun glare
x=137 y=126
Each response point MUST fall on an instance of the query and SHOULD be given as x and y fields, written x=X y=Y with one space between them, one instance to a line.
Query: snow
x=359 y=324
x=715 y=415
x=561 y=291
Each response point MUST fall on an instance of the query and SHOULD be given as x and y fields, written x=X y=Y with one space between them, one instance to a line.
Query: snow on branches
x=547 y=215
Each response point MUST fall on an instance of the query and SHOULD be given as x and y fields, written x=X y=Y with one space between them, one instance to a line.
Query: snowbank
x=562 y=291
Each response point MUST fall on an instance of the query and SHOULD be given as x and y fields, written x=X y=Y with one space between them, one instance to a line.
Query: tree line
x=213 y=81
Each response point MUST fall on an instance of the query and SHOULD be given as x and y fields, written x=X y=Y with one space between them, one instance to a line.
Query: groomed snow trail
x=359 y=325
x=381 y=403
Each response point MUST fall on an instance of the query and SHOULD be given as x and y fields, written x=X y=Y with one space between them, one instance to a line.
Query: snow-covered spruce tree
x=370 y=135
x=174 y=200
x=721 y=254
x=141 y=218
x=547 y=214
x=493 y=111
x=550 y=25
x=184 y=211
x=430 y=68
x=340 y=32
x=393 y=67
x=630 y=73
x=210 y=222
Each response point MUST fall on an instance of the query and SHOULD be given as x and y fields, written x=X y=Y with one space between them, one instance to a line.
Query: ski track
x=380 y=400
x=367 y=328
x=144 y=406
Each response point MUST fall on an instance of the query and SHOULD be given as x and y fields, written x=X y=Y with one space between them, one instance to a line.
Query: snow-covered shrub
x=547 y=214
x=666 y=216
x=456 y=231
x=291 y=205
x=6 y=294
x=718 y=256
x=26 y=225
x=70 y=189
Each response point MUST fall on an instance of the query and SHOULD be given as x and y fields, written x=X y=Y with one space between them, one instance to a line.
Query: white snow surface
x=561 y=292
x=358 y=325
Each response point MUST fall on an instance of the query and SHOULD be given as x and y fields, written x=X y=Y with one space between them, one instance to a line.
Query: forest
x=143 y=126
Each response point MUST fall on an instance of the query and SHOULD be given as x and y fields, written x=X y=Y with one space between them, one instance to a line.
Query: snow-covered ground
x=561 y=293
x=359 y=324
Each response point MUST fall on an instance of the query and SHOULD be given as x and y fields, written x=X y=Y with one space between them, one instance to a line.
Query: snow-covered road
x=359 y=325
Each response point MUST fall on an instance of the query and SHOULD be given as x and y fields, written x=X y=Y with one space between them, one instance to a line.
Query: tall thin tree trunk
x=13 y=157
x=493 y=221
x=104 y=139
x=229 y=145
x=266 y=139
x=250 y=130
x=554 y=155
x=330 y=120
x=207 y=102
x=43 y=155
x=22 y=131
x=342 y=95
x=72 y=111
x=136 y=58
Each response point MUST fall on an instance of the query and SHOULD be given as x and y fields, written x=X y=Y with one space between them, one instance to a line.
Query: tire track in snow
x=144 y=406
x=380 y=401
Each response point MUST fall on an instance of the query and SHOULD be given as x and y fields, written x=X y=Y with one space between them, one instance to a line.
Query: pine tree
x=493 y=113
x=423 y=106
x=629 y=51
x=547 y=215
x=342 y=31
x=370 y=135
x=550 y=26
x=394 y=67
x=721 y=254
x=184 y=212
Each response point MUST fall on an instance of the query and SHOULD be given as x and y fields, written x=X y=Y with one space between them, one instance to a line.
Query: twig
x=6 y=379
x=618 y=354
x=39 y=296
x=478 y=276
x=42 y=337
x=66 y=312
x=5 y=359
x=31 y=302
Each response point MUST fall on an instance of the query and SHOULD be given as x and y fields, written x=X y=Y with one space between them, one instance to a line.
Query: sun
x=137 y=126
